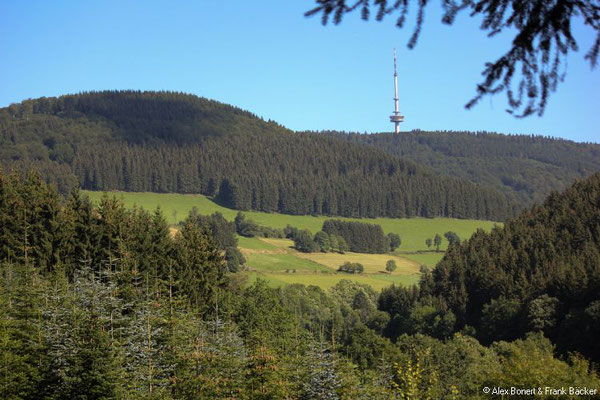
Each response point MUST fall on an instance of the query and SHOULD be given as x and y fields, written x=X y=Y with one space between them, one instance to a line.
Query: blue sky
x=266 y=57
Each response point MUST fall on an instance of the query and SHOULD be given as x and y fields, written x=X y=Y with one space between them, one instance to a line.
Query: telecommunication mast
x=396 y=118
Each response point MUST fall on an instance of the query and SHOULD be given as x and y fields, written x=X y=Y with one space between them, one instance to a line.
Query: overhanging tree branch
x=530 y=70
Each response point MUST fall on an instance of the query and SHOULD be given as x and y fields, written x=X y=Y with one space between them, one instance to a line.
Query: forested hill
x=527 y=168
x=171 y=142
x=540 y=272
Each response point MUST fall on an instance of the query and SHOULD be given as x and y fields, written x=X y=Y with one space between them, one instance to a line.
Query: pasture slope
x=275 y=261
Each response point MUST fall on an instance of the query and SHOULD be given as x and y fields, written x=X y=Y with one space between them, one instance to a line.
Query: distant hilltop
x=175 y=142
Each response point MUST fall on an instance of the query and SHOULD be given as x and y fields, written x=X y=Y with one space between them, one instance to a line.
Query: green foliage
x=542 y=313
x=414 y=231
x=200 y=265
x=452 y=238
x=112 y=140
x=390 y=266
x=539 y=272
x=324 y=242
x=234 y=258
x=147 y=315
x=415 y=380
x=323 y=381
x=211 y=360
x=531 y=363
x=526 y=168
x=437 y=241
x=222 y=231
x=360 y=237
x=245 y=227
x=351 y=268
x=303 y=242
x=394 y=240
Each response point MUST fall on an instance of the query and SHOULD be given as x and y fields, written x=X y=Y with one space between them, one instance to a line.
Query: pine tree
x=323 y=381
x=200 y=266
x=22 y=357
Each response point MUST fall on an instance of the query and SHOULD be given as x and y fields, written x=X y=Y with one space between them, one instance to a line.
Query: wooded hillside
x=171 y=142
x=525 y=167
x=540 y=272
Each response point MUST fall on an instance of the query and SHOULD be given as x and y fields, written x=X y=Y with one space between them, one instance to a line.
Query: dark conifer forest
x=171 y=142
x=540 y=272
x=527 y=168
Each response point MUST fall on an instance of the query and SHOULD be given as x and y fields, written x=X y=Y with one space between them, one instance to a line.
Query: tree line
x=361 y=237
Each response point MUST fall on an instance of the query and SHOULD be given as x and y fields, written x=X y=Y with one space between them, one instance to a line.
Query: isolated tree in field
x=395 y=241
x=437 y=240
x=531 y=69
x=428 y=242
x=390 y=266
x=452 y=237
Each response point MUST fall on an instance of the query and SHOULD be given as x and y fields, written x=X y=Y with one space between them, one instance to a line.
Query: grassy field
x=413 y=231
x=282 y=262
x=254 y=244
x=279 y=264
x=429 y=258
x=275 y=261
x=373 y=263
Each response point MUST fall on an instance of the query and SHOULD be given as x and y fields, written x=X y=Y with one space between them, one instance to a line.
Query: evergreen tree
x=323 y=382
x=200 y=266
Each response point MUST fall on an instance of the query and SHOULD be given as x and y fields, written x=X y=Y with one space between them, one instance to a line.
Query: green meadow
x=327 y=281
x=413 y=231
x=275 y=261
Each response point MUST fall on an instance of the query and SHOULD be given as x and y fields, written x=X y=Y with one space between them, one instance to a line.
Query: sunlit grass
x=413 y=231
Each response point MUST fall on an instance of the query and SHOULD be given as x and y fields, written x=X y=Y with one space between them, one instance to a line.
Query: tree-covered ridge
x=527 y=168
x=170 y=142
x=540 y=272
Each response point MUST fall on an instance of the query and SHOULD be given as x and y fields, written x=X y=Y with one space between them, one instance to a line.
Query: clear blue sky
x=266 y=57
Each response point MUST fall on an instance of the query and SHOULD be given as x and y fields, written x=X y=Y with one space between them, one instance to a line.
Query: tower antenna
x=396 y=118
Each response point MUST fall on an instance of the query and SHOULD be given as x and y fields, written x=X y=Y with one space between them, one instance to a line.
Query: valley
x=275 y=260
